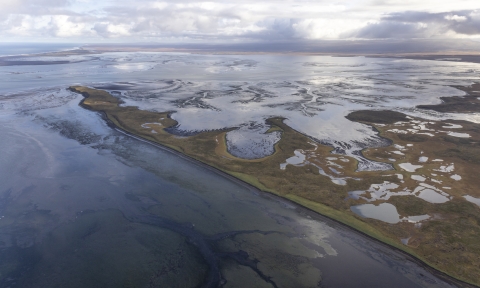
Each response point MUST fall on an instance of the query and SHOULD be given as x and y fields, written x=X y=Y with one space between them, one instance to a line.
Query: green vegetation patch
x=377 y=116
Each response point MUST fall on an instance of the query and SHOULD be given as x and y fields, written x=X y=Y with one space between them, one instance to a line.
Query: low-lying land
x=464 y=104
x=430 y=215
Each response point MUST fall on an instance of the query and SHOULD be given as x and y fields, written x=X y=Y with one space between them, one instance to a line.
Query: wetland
x=119 y=181
x=302 y=177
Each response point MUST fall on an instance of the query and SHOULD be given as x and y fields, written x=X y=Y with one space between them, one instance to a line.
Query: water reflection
x=207 y=92
x=86 y=206
x=82 y=205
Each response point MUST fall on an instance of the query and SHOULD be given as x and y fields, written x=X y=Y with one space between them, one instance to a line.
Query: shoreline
x=448 y=56
x=290 y=200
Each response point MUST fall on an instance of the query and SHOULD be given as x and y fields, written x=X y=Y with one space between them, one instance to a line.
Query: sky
x=234 y=21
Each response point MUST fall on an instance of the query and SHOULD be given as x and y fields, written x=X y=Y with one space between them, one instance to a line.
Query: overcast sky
x=235 y=21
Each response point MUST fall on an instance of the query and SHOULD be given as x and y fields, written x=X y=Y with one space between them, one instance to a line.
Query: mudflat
x=430 y=219
x=465 y=104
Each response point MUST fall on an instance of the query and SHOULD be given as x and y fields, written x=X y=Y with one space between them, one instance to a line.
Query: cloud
x=390 y=29
x=247 y=20
x=413 y=24
x=34 y=7
x=109 y=30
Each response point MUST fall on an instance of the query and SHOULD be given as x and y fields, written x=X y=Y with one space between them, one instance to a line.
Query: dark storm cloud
x=390 y=29
x=412 y=24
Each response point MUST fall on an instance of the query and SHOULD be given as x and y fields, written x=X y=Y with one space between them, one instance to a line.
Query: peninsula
x=431 y=197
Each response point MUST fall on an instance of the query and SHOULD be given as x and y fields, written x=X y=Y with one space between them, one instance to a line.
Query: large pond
x=82 y=205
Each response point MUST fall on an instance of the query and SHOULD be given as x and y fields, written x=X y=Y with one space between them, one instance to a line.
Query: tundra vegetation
x=433 y=188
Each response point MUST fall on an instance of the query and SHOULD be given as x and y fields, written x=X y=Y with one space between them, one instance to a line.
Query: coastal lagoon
x=84 y=205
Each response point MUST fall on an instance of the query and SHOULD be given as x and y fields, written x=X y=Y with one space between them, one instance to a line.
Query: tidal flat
x=302 y=182
x=77 y=193
x=87 y=206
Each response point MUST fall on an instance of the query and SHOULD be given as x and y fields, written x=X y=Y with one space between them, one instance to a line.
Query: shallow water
x=409 y=167
x=418 y=178
x=106 y=210
x=12 y=49
x=385 y=212
x=207 y=92
x=384 y=191
x=472 y=199
x=460 y=135
x=299 y=158
x=432 y=196
x=86 y=205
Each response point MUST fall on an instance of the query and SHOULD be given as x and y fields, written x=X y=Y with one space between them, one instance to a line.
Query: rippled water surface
x=83 y=205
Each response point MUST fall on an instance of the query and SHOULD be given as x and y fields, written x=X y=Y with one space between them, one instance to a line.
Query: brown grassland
x=448 y=241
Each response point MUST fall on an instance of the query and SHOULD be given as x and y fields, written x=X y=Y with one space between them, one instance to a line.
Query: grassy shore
x=448 y=241
x=468 y=103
